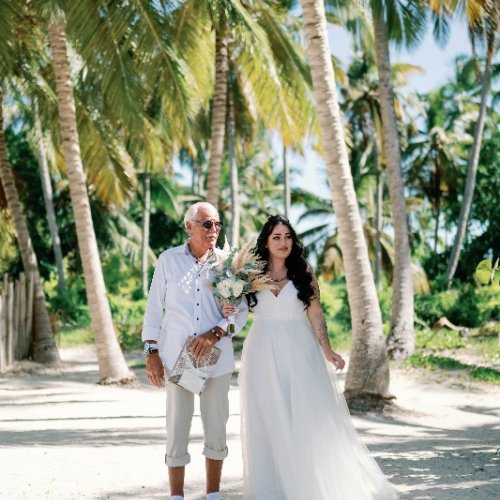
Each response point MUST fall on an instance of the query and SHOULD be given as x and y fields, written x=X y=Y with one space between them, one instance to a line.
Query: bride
x=297 y=436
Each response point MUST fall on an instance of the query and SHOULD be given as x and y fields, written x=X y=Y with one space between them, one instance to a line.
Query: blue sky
x=436 y=62
x=437 y=66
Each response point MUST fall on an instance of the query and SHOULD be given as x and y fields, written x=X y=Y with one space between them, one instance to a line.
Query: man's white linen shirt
x=181 y=303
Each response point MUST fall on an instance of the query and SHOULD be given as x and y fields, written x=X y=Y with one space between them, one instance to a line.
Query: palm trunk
x=194 y=180
x=145 y=232
x=112 y=364
x=436 y=230
x=218 y=120
x=475 y=59
x=288 y=195
x=233 y=165
x=436 y=201
x=44 y=347
x=367 y=381
x=379 y=198
x=48 y=199
x=378 y=225
x=401 y=341
x=472 y=165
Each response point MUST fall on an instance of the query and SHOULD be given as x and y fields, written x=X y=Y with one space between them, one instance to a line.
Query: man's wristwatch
x=216 y=333
x=219 y=332
x=150 y=348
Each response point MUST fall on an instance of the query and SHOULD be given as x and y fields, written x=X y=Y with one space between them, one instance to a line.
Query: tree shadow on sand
x=437 y=462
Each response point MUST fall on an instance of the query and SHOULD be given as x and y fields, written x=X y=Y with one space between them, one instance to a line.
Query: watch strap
x=150 y=348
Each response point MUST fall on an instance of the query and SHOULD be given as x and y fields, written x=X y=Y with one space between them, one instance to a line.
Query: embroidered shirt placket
x=199 y=270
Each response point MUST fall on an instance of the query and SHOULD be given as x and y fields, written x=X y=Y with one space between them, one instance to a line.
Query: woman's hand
x=228 y=310
x=336 y=359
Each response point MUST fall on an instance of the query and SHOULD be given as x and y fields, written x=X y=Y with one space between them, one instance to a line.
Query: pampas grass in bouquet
x=238 y=273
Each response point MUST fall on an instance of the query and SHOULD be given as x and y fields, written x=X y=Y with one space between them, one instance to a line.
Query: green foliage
x=480 y=373
x=167 y=232
x=29 y=187
x=128 y=316
x=9 y=254
x=485 y=273
x=115 y=273
x=338 y=318
x=464 y=305
x=69 y=304
x=126 y=300
x=71 y=336
x=438 y=340
x=343 y=315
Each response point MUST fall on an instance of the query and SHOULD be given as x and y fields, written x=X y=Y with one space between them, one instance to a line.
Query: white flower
x=224 y=288
x=237 y=287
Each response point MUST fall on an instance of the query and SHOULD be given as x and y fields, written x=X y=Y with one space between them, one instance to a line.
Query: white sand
x=64 y=437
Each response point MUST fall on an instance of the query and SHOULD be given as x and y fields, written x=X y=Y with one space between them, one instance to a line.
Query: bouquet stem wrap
x=231 y=319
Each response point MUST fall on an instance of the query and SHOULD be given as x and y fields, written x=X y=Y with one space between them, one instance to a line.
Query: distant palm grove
x=117 y=115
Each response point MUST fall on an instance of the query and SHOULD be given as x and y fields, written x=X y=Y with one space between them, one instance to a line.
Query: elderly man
x=181 y=303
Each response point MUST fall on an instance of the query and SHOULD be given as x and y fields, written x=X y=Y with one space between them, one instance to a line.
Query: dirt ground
x=62 y=436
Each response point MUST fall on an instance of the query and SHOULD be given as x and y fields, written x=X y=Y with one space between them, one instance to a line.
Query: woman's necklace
x=279 y=280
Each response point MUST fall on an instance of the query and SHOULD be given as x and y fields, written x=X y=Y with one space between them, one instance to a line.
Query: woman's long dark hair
x=295 y=263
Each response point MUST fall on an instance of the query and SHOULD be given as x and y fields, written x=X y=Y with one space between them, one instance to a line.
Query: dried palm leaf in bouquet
x=238 y=273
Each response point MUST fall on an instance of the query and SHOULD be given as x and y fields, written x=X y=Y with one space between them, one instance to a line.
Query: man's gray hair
x=192 y=211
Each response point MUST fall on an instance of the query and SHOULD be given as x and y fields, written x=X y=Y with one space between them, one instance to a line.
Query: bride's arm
x=320 y=329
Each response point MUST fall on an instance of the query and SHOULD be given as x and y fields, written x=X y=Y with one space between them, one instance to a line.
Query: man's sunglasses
x=208 y=224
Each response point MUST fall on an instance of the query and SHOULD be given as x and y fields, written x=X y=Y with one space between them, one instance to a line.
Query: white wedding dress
x=298 y=439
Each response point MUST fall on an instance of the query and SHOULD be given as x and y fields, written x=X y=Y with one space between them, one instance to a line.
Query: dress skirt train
x=297 y=436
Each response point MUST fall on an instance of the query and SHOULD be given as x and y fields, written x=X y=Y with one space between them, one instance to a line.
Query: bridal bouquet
x=238 y=273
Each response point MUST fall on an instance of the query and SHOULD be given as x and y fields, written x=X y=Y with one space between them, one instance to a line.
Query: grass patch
x=439 y=340
x=429 y=361
x=137 y=365
x=74 y=336
x=486 y=347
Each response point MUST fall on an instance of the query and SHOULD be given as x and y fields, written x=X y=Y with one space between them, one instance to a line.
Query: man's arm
x=203 y=343
x=155 y=304
x=152 y=323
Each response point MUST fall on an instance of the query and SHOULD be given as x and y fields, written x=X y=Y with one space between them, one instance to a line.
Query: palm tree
x=162 y=194
x=48 y=197
x=145 y=232
x=253 y=46
x=400 y=342
x=16 y=42
x=218 y=118
x=407 y=20
x=483 y=16
x=112 y=364
x=135 y=38
x=362 y=107
x=433 y=156
x=322 y=238
x=287 y=196
x=233 y=173
x=261 y=191
x=44 y=347
x=367 y=382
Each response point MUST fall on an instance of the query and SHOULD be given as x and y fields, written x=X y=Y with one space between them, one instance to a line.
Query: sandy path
x=64 y=437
